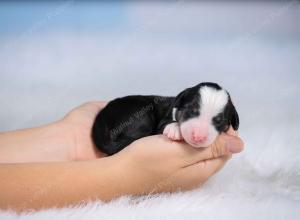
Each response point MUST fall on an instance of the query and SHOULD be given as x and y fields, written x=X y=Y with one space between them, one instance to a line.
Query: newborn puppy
x=197 y=115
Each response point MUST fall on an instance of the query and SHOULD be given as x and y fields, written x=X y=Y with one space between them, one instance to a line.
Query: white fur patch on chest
x=212 y=101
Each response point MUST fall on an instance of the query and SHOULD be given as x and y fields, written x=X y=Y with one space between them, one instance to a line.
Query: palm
x=80 y=121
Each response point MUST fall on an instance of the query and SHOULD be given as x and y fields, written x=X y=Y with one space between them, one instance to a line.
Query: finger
x=92 y=107
x=204 y=169
x=96 y=104
x=232 y=132
x=196 y=174
x=100 y=104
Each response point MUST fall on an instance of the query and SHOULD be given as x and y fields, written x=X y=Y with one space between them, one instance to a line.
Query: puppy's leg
x=172 y=131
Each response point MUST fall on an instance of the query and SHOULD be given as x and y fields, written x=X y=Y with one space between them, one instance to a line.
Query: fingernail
x=233 y=145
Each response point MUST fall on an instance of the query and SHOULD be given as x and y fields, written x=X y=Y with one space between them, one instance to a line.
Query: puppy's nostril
x=198 y=138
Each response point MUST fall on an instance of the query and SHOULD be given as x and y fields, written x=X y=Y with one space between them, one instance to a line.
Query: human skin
x=57 y=165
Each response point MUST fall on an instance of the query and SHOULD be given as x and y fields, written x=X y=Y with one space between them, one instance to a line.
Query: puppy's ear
x=181 y=98
x=234 y=117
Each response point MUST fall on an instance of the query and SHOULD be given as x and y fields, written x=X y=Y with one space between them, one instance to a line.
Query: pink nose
x=198 y=138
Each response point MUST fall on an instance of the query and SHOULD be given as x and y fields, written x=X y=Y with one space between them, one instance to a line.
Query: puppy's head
x=203 y=112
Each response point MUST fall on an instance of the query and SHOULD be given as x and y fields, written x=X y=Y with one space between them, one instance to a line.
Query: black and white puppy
x=197 y=115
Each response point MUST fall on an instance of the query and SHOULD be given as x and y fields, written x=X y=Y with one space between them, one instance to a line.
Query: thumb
x=223 y=145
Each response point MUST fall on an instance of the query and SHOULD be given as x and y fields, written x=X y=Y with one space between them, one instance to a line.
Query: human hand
x=67 y=139
x=156 y=164
x=80 y=121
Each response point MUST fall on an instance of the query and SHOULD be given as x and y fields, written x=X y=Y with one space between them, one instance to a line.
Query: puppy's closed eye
x=219 y=119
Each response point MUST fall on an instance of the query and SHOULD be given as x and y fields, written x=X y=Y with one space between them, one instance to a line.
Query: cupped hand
x=79 y=122
x=156 y=164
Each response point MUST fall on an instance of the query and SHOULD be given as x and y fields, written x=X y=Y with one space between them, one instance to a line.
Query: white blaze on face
x=200 y=131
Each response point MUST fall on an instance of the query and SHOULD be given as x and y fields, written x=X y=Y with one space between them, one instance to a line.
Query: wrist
x=46 y=143
x=113 y=178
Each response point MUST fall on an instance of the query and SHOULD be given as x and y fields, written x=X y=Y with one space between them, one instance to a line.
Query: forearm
x=44 y=185
x=45 y=143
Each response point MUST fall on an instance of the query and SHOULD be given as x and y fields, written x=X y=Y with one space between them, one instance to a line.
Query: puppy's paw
x=172 y=131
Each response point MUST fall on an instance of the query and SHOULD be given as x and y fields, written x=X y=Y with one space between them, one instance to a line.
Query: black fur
x=228 y=117
x=127 y=119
